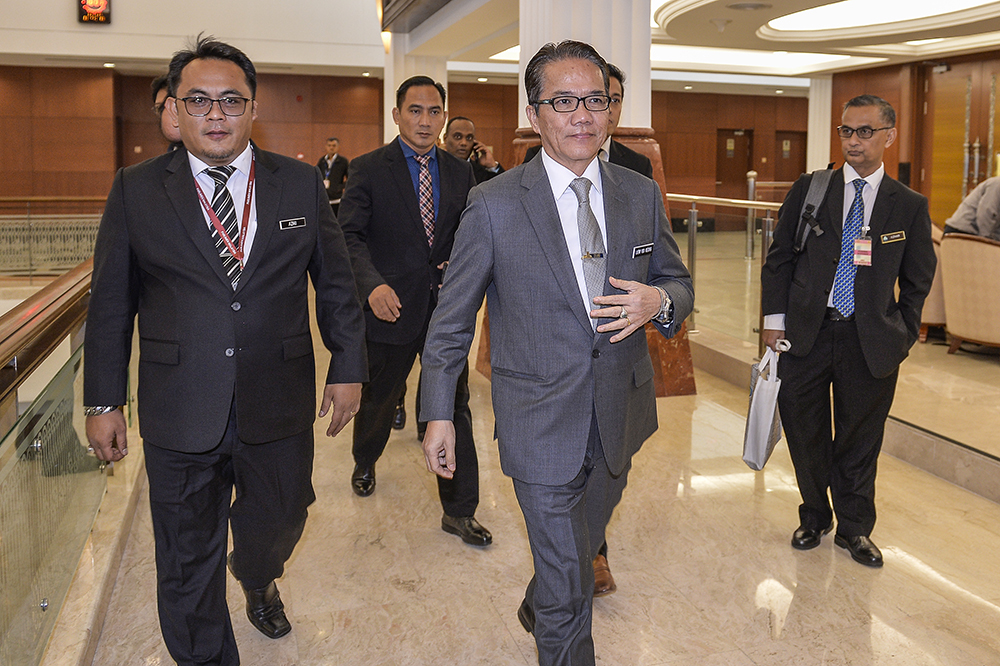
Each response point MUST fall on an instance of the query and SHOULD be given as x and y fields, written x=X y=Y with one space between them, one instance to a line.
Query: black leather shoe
x=264 y=608
x=468 y=528
x=399 y=419
x=862 y=549
x=806 y=538
x=363 y=480
x=526 y=616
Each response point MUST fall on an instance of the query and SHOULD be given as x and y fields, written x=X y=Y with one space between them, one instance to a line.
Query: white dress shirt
x=237 y=186
x=566 y=203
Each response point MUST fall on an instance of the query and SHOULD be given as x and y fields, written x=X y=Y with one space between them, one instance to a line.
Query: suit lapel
x=267 y=195
x=404 y=182
x=180 y=188
x=882 y=208
x=615 y=219
x=544 y=218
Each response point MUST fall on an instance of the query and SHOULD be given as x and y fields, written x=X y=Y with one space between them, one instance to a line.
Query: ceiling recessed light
x=482 y=79
x=366 y=74
x=779 y=92
x=688 y=87
x=109 y=65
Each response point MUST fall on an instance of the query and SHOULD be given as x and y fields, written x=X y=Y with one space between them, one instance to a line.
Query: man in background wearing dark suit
x=399 y=213
x=460 y=141
x=333 y=166
x=834 y=301
x=168 y=129
x=213 y=246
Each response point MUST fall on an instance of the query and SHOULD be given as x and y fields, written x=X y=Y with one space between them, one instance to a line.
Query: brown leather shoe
x=604 y=582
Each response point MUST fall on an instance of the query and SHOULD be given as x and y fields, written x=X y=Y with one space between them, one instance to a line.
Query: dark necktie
x=591 y=243
x=426 y=197
x=843 y=284
x=225 y=210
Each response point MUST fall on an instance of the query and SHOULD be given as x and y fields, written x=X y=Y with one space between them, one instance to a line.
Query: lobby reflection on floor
x=699 y=548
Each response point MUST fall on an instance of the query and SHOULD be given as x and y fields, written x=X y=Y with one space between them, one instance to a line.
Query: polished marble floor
x=699 y=548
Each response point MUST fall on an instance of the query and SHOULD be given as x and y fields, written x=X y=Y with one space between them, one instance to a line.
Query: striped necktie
x=843 y=283
x=426 y=197
x=225 y=210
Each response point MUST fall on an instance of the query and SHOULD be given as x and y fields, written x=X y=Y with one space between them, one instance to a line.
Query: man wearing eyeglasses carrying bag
x=213 y=246
x=833 y=298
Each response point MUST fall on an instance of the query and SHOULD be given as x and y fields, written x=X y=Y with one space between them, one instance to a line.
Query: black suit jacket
x=799 y=286
x=380 y=216
x=619 y=154
x=482 y=174
x=337 y=176
x=201 y=343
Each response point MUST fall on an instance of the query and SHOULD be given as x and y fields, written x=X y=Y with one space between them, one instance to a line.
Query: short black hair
x=451 y=120
x=156 y=85
x=551 y=52
x=615 y=73
x=209 y=47
x=333 y=138
x=885 y=110
x=413 y=82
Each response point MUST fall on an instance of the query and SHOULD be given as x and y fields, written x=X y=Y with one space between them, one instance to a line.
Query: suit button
x=596 y=353
x=236 y=306
x=230 y=351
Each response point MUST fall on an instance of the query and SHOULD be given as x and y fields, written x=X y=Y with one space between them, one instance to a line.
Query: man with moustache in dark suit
x=213 y=246
x=399 y=213
x=333 y=166
x=835 y=301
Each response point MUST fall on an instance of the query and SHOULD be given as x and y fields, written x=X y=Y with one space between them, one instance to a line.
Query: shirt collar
x=408 y=152
x=874 y=179
x=560 y=177
x=606 y=148
x=242 y=162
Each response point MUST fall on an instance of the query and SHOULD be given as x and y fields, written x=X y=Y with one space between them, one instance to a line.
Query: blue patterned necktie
x=843 y=284
x=225 y=210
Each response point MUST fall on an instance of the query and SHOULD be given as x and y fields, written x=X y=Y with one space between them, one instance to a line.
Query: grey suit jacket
x=549 y=367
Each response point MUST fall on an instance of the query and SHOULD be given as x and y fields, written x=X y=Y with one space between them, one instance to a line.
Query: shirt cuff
x=775 y=322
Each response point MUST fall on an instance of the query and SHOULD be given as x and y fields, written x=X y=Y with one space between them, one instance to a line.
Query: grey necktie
x=591 y=243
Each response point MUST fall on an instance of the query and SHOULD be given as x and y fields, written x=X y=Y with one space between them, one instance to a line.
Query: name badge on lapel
x=293 y=223
x=893 y=237
x=640 y=250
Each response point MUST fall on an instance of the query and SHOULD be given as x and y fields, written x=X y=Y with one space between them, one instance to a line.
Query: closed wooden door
x=733 y=158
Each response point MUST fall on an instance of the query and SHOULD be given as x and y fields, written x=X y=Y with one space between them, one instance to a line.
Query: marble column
x=819 y=127
x=399 y=66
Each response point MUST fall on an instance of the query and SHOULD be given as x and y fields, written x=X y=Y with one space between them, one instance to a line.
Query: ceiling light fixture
x=857 y=13
x=482 y=79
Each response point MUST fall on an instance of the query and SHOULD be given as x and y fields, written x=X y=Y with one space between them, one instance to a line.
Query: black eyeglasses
x=199 y=106
x=569 y=104
x=865 y=132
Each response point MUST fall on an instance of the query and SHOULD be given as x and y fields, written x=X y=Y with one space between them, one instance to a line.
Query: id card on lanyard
x=863 y=248
x=236 y=251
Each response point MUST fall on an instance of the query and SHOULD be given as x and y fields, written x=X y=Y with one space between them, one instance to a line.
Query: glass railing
x=50 y=487
x=50 y=491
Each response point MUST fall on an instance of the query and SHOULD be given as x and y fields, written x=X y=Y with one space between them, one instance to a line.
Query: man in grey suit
x=573 y=395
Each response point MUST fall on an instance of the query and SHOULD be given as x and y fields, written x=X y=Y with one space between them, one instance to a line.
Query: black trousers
x=388 y=368
x=844 y=461
x=190 y=498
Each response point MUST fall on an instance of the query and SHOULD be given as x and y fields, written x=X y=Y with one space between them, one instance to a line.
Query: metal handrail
x=718 y=201
x=35 y=327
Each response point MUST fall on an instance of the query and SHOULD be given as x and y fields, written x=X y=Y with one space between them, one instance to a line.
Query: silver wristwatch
x=666 y=314
x=97 y=411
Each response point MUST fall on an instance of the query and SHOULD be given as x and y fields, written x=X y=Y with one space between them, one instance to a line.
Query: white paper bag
x=763 y=423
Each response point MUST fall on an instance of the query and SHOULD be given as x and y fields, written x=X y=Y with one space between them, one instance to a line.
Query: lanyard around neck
x=233 y=249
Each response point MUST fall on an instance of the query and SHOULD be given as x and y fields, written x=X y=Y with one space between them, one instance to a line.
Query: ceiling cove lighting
x=858 y=13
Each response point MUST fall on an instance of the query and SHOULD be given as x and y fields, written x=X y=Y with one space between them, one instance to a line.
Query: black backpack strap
x=808 y=218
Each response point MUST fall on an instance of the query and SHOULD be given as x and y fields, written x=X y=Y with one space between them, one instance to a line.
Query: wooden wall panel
x=15 y=92
x=493 y=110
x=791 y=114
x=15 y=146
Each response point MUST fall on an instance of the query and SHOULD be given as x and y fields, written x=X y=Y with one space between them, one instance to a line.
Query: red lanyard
x=235 y=251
